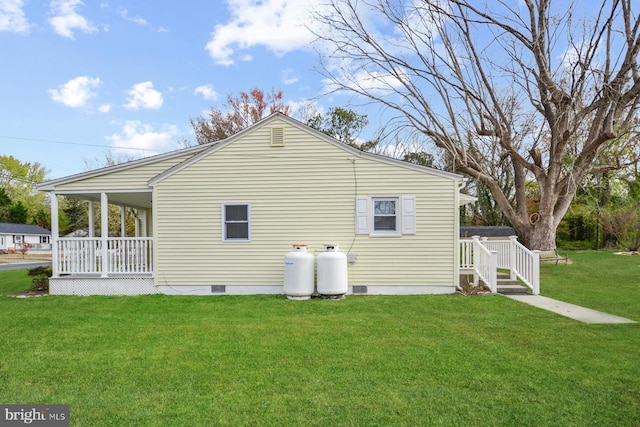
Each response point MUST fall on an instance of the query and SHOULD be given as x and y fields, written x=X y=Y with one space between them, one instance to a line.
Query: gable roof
x=301 y=126
x=200 y=151
x=9 y=228
x=51 y=184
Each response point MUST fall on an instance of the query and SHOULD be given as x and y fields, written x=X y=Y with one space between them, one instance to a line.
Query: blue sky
x=80 y=79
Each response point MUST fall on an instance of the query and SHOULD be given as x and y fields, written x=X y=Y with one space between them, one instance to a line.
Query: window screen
x=236 y=221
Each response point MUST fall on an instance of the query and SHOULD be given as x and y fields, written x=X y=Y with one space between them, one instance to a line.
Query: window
x=235 y=218
x=385 y=215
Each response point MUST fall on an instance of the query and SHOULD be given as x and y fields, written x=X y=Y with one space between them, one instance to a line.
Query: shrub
x=40 y=281
x=24 y=248
x=624 y=224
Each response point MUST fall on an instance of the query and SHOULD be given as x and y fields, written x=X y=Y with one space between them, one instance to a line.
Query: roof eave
x=51 y=184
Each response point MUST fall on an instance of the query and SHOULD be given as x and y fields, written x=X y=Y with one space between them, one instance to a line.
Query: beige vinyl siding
x=302 y=192
x=135 y=178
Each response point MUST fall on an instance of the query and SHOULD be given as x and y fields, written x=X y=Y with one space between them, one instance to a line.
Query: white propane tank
x=298 y=273
x=332 y=272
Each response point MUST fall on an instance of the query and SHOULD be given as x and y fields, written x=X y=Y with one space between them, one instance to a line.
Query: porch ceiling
x=135 y=200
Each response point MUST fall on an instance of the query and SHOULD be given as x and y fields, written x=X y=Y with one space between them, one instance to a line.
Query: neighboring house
x=491 y=232
x=13 y=236
x=219 y=218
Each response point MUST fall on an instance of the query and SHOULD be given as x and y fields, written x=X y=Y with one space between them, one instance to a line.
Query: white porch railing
x=482 y=261
x=508 y=254
x=84 y=255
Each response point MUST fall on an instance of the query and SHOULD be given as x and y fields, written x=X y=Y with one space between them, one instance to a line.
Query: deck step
x=511 y=287
x=508 y=286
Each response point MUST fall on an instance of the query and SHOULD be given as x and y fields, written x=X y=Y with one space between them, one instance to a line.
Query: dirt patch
x=29 y=294
x=12 y=258
x=469 y=289
x=632 y=253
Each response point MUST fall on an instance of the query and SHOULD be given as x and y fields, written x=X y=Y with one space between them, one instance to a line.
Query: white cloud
x=351 y=75
x=305 y=109
x=65 y=19
x=76 y=92
x=289 y=76
x=124 y=13
x=104 y=108
x=207 y=92
x=136 y=136
x=278 y=25
x=12 y=16
x=143 y=95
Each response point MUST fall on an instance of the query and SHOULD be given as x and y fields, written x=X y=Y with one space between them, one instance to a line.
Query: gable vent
x=277 y=137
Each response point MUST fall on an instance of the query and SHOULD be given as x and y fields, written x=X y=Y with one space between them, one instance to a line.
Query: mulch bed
x=29 y=294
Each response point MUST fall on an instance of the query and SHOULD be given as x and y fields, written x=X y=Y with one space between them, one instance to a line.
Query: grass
x=376 y=361
x=601 y=280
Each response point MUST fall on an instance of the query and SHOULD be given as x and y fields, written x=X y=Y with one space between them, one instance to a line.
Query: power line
x=76 y=143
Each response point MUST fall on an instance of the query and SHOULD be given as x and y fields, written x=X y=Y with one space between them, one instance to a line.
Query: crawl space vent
x=277 y=137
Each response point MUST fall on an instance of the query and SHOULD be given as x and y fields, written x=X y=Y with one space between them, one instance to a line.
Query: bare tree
x=541 y=88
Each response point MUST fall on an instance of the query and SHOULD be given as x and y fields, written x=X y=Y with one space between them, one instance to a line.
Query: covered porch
x=99 y=262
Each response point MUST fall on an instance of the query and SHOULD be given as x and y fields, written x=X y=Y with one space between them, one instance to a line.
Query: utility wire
x=74 y=143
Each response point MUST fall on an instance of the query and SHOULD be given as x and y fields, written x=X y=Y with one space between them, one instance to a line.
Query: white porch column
x=142 y=216
x=104 y=232
x=92 y=226
x=123 y=224
x=54 y=233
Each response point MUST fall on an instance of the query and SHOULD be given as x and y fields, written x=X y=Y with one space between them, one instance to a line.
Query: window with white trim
x=385 y=215
x=236 y=224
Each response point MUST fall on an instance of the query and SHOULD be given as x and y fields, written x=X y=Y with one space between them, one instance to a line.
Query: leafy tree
x=421 y=158
x=546 y=86
x=344 y=125
x=241 y=111
x=77 y=213
x=5 y=206
x=19 y=213
x=18 y=179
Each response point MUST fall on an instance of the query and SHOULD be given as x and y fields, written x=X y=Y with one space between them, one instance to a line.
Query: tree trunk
x=542 y=236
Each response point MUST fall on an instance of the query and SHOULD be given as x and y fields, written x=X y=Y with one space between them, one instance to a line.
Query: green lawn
x=364 y=361
x=600 y=280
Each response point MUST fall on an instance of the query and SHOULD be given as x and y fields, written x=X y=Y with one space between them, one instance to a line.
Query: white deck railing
x=526 y=266
x=84 y=255
x=482 y=261
x=509 y=255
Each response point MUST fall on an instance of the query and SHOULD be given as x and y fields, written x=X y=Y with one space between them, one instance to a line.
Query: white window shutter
x=408 y=215
x=362 y=215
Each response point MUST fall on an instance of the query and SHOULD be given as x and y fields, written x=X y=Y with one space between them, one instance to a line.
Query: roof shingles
x=9 y=228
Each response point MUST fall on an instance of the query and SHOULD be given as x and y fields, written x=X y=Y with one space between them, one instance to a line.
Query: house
x=218 y=218
x=13 y=236
x=492 y=232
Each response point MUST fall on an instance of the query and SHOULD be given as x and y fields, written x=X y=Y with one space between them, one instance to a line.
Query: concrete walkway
x=576 y=312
